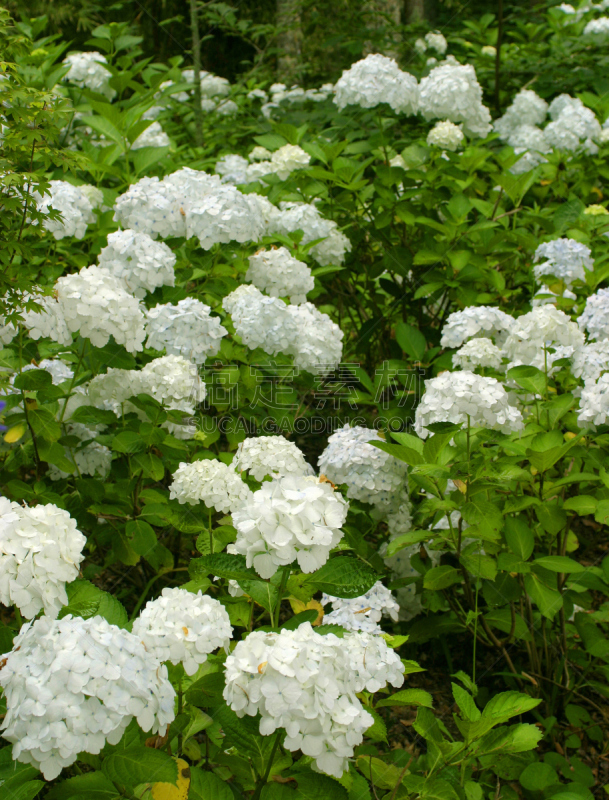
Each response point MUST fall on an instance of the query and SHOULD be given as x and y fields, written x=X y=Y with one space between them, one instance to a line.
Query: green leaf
x=151 y=466
x=485 y=516
x=86 y=600
x=244 y=734
x=567 y=214
x=406 y=539
x=223 y=565
x=519 y=537
x=538 y=776
x=128 y=442
x=509 y=739
x=411 y=341
x=505 y=705
x=479 y=565
x=407 y=454
x=44 y=424
x=145 y=157
x=313 y=786
x=141 y=536
x=89 y=415
x=140 y=765
x=33 y=379
x=105 y=128
x=531 y=379
x=377 y=732
x=559 y=564
x=501 y=618
x=344 y=577
x=385 y=776
x=438 y=789
x=467 y=706
x=93 y=785
x=582 y=505
x=207 y=691
x=407 y=697
x=548 y=601
x=441 y=577
x=54 y=453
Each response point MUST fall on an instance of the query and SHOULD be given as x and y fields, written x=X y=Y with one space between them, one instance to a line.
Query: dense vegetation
x=305 y=380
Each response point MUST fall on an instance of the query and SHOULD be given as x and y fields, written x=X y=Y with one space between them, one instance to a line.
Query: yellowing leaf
x=167 y=791
x=298 y=606
x=15 y=433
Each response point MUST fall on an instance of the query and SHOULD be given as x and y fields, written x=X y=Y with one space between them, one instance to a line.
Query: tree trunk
x=415 y=10
x=289 y=40
x=383 y=15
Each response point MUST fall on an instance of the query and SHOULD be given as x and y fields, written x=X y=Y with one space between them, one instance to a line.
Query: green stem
x=284 y=579
x=211 y=537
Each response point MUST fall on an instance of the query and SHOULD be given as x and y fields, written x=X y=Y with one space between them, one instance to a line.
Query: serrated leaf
x=411 y=340
x=141 y=536
x=549 y=601
x=33 y=379
x=344 y=577
x=44 y=424
x=86 y=600
x=407 y=697
x=169 y=791
x=223 y=565
x=441 y=577
x=151 y=466
x=559 y=564
x=406 y=454
x=140 y=765
x=128 y=442
x=205 y=785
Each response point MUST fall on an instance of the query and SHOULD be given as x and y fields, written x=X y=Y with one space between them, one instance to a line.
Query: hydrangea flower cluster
x=565 y=259
x=594 y=402
x=296 y=518
x=531 y=142
x=302 y=331
x=288 y=158
x=211 y=482
x=274 y=456
x=190 y=203
x=377 y=79
x=527 y=108
x=153 y=136
x=451 y=91
x=446 y=135
x=591 y=360
x=462 y=397
x=292 y=217
x=307 y=684
x=90 y=459
x=139 y=261
x=211 y=85
x=595 y=316
x=97 y=307
x=40 y=551
x=573 y=125
x=598 y=28
x=87 y=71
x=477 y=353
x=279 y=274
x=183 y=627
x=482 y=321
x=49 y=322
x=186 y=329
x=73 y=684
x=371 y=475
x=545 y=326
x=75 y=204
x=362 y=613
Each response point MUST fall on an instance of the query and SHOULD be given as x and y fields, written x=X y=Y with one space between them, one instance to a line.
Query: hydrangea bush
x=288 y=413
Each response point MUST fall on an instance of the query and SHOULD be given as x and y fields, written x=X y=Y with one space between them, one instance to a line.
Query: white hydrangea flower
x=545 y=326
x=437 y=42
x=529 y=141
x=227 y=108
x=591 y=360
x=399 y=518
x=462 y=396
x=291 y=217
x=75 y=205
x=261 y=321
x=288 y=158
x=599 y=28
x=7 y=331
x=211 y=482
x=40 y=551
x=258 y=94
x=211 y=85
x=183 y=627
x=527 y=108
x=565 y=259
x=451 y=91
x=296 y=518
x=58 y=370
x=489 y=50
x=279 y=274
x=446 y=135
x=272 y=456
x=594 y=402
x=573 y=126
x=307 y=684
x=111 y=389
x=185 y=329
x=595 y=316
x=88 y=72
x=153 y=136
x=362 y=613
x=318 y=345
x=478 y=352
x=377 y=79
x=482 y=321
x=260 y=153
x=232 y=168
x=73 y=684
x=139 y=261
x=97 y=306
x=420 y=46
x=150 y=206
x=50 y=322
x=221 y=216
x=371 y=475
x=90 y=459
